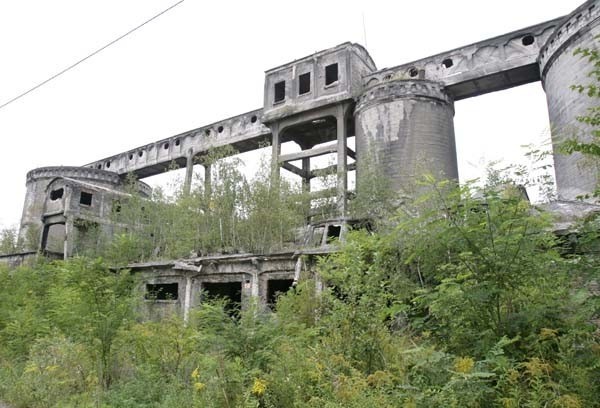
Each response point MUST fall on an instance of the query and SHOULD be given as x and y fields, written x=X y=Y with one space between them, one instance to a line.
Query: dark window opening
x=230 y=291
x=140 y=153
x=207 y=132
x=177 y=142
x=166 y=146
x=220 y=129
x=331 y=74
x=162 y=291
x=528 y=40
x=304 y=83
x=99 y=166
x=253 y=119
x=108 y=165
x=413 y=72
x=130 y=156
x=56 y=194
x=279 y=89
x=333 y=232
x=85 y=198
x=447 y=62
x=277 y=287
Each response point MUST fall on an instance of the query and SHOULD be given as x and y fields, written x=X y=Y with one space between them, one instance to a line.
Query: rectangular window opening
x=230 y=291
x=56 y=194
x=85 y=198
x=279 y=91
x=162 y=291
x=277 y=287
x=333 y=232
x=331 y=74
x=304 y=84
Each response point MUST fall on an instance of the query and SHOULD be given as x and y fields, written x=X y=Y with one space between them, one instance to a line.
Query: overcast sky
x=205 y=60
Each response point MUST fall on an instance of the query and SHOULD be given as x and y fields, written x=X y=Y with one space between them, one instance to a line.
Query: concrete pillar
x=560 y=69
x=255 y=283
x=342 y=162
x=189 y=172
x=275 y=153
x=69 y=238
x=187 y=300
x=306 y=170
x=406 y=129
x=207 y=181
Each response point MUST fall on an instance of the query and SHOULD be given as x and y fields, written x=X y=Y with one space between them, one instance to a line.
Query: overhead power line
x=70 y=67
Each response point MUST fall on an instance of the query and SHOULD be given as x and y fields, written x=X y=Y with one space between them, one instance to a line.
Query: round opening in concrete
x=528 y=40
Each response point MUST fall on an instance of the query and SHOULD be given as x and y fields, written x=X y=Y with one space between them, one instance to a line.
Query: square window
x=162 y=291
x=304 y=84
x=85 y=198
x=331 y=74
x=279 y=91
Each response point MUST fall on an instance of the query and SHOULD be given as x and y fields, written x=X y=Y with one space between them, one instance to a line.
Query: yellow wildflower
x=198 y=386
x=508 y=403
x=464 y=365
x=513 y=375
x=536 y=367
x=259 y=387
x=546 y=334
x=567 y=401
x=195 y=374
x=31 y=368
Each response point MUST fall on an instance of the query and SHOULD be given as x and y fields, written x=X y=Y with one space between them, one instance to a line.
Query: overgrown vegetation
x=457 y=302
x=462 y=298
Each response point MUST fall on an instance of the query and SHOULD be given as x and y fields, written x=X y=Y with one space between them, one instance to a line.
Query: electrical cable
x=90 y=55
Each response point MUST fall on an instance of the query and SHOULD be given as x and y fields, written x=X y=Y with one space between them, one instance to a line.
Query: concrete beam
x=244 y=132
x=491 y=65
x=296 y=170
x=330 y=170
x=318 y=151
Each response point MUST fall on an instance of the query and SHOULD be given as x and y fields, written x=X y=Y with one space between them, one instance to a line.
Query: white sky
x=205 y=61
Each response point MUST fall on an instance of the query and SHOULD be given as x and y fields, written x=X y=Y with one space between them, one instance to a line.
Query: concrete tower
x=406 y=127
x=560 y=69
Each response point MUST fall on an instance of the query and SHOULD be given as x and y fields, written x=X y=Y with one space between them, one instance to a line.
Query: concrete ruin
x=402 y=117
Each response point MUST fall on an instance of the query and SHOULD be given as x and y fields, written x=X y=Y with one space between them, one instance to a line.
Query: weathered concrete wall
x=244 y=132
x=486 y=66
x=353 y=62
x=15 y=260
x=407 y=128
x=560 y=70
x=54 y=194
x=252 y=272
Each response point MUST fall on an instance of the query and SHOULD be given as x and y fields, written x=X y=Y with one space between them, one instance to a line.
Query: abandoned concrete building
x=403 y=116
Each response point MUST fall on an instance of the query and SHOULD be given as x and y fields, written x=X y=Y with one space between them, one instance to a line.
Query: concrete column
x=275 y=153
x=189 y=172
x=207 y=180
x=187 y=299
x=69 y=238
x=254 y=283
x=576 y=175
x=306 y=179
x=342 y=162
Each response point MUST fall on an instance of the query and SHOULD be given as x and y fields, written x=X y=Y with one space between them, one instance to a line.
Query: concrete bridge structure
x=401 y=117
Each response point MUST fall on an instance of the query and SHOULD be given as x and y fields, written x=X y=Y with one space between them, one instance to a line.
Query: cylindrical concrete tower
x=407 y=128
x=560 y=69
x=37 y=195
